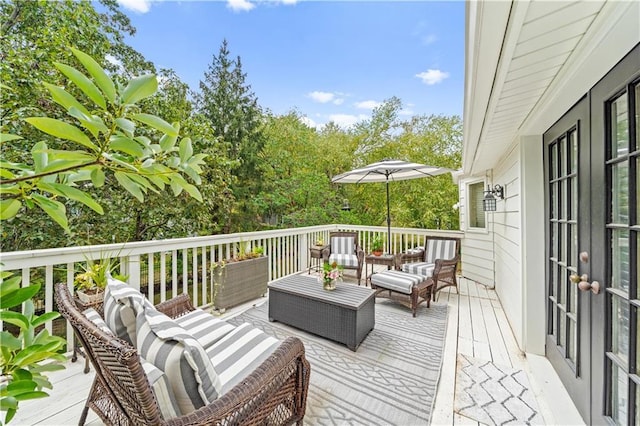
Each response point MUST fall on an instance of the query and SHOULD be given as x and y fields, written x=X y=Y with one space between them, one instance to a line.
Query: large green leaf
x=31 y=395
x=186 y=150
x=125 y=181
x=83 y=84
x=9 y=207
x=14 y=318
x=168 y=142
x=17 y=387
x=127 y=126
x=6 y=137
x=54 y=209
x=40 y=156
x=62 y=130
x=72 y=193
x=139 y=88
x=101 y=78
x=16 y=297
x=9 y=341
x=92 y=123
x=9 y=283
x=156 y=122
x=47 y=316
x=126 y=145
x=64 y=98
x=97 y=177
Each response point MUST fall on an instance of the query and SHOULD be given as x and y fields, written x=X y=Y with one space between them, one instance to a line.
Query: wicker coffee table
x=345 y=315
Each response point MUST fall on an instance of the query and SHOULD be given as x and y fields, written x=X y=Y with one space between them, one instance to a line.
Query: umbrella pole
x=388 y=220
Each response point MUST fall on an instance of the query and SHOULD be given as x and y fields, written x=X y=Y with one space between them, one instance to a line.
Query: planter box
x=240 y=282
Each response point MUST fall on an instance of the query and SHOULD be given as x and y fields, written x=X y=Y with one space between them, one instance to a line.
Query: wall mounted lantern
x=490 y=195
x=345 y=205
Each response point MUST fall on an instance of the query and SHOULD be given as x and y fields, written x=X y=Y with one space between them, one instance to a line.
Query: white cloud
x=140 y=6
x=338 y=101
x=288 y=1
x=346 y=120
x=368 y=104
x=240 y=5
x=309 y=122
x=322 y=97
x=431 y=77
x=406 y=112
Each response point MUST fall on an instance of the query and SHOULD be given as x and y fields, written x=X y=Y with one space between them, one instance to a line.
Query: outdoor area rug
x=390 y=380
x=494 y=395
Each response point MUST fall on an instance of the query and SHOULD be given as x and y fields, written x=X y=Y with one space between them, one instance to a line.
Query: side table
x=383 y=259
x=315 y=257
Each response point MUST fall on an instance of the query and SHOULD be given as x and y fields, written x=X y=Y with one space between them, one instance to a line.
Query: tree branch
x=52 y=172
x=13 y=19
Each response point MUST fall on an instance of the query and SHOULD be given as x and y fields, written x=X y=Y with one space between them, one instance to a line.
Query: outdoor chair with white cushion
x=438 y=261
x=171 y=364
x=345 y=250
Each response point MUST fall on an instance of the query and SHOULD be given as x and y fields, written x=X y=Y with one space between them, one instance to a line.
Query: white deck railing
x=183 y=264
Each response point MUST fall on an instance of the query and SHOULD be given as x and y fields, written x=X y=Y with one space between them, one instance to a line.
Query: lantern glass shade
x=489 y=202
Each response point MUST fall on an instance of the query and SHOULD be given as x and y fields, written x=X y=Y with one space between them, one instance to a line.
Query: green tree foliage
x=226 y=100
x=80 y=152
x=21 y=355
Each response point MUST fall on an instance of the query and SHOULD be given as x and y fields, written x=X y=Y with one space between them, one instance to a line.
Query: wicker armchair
x=345 y=250
x=274 y=393
x=438 y=259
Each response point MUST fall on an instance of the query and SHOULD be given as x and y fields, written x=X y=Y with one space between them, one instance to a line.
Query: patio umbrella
x=386 y=170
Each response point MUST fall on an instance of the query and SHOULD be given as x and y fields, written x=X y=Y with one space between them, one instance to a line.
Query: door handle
x=584 y=284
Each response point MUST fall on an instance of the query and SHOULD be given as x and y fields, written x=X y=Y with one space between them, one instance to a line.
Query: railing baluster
x=151 y=282
x=48 y=295
x=185 y=271
x=204 y=275
x=174 y=273
x=163 y=276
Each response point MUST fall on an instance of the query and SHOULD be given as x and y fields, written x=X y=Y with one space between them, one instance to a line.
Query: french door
x=592 y=180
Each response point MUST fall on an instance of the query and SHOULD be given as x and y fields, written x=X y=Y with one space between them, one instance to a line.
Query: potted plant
x=92 y=280
x=241 y=278
x=377 y=245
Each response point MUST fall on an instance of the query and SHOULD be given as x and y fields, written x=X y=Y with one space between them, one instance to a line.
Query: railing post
x=304 y=252
x=133 y=270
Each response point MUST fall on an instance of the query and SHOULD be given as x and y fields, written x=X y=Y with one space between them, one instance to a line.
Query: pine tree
x=228 y=102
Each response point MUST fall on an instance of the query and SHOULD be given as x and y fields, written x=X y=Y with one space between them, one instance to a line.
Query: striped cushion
x=239 y=353
x=173 y=350
x=349 y=260
x=93 y=316
x=161 y=389
x=397 y=281
x=121 y=305
x=420 y=268
x=343 y=245
x=440 y=249
x=204 y=327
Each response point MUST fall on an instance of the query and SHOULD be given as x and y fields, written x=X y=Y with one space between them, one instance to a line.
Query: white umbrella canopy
x=386 y=170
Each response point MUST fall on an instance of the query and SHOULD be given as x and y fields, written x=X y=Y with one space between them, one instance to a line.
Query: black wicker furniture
x=274 y=392
x=345 y=315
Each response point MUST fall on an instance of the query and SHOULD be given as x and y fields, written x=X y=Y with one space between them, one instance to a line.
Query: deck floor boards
x=476 y=326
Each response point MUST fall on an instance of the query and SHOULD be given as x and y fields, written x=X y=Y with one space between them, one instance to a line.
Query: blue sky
x=329 y=60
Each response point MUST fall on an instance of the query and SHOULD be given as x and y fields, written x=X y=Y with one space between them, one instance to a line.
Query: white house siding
x=507 y=241
x=476 y=246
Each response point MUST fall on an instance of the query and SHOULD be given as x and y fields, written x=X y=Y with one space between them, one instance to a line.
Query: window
x=475 y=193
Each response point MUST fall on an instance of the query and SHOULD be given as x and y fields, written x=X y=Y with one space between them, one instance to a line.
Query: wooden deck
x=477 y=327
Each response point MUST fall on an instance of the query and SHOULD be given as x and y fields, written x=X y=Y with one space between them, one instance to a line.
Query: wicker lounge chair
x=274 y=392
x=345 y=250
x=438 y=259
